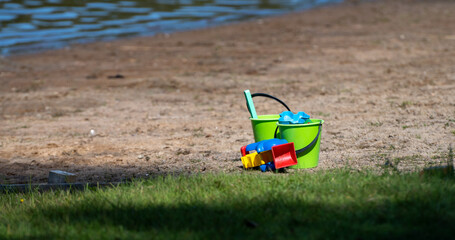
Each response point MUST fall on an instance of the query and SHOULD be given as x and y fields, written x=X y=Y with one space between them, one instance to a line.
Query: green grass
x=325 y=205
x=405 y=104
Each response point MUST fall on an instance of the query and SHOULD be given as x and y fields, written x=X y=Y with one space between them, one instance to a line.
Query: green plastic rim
x=302 y=135
x=264 y=127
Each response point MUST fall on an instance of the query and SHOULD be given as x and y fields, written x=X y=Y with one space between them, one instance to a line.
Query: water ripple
x=31 y=25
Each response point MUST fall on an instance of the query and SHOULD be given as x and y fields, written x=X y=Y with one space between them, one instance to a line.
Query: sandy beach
x=381 y=74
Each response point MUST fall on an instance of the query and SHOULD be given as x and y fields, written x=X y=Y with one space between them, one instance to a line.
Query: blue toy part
x=265 y=145
x=287 y=117
x=270 y=166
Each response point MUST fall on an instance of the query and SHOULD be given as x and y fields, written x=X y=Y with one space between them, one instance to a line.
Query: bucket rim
x=320 y=122
x=267 y=117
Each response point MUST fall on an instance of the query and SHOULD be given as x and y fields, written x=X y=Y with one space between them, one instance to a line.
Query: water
x=33 y=25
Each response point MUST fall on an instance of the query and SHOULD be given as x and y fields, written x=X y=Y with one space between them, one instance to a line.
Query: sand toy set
x=284 y=140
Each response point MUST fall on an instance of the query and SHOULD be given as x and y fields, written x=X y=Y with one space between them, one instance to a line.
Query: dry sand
x=381 y=75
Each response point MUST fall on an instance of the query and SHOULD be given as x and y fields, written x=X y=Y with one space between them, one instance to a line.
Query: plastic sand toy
x=278 y=152
x=285 y=140
x=288 y=117
x=264 y=126
x=250 y=104
x=267 y=167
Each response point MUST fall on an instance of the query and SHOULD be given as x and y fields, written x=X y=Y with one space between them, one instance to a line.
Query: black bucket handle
x=312 y=143
x=309 y=146
x=272 y=97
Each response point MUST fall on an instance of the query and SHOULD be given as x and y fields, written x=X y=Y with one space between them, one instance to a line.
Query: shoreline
x=379 y=73
x=40 y=47
x=134 y=26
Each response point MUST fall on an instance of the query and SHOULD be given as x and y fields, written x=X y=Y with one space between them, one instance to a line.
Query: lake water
x=33 y=25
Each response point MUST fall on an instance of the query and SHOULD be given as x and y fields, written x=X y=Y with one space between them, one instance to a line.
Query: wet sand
x=381 y=74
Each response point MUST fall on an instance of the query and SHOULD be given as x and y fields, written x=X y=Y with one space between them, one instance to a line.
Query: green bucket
x=306 y=139
x=264 y=127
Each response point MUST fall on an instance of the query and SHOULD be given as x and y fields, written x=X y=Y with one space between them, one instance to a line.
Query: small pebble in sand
x=92 y=133
x=140 y=156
